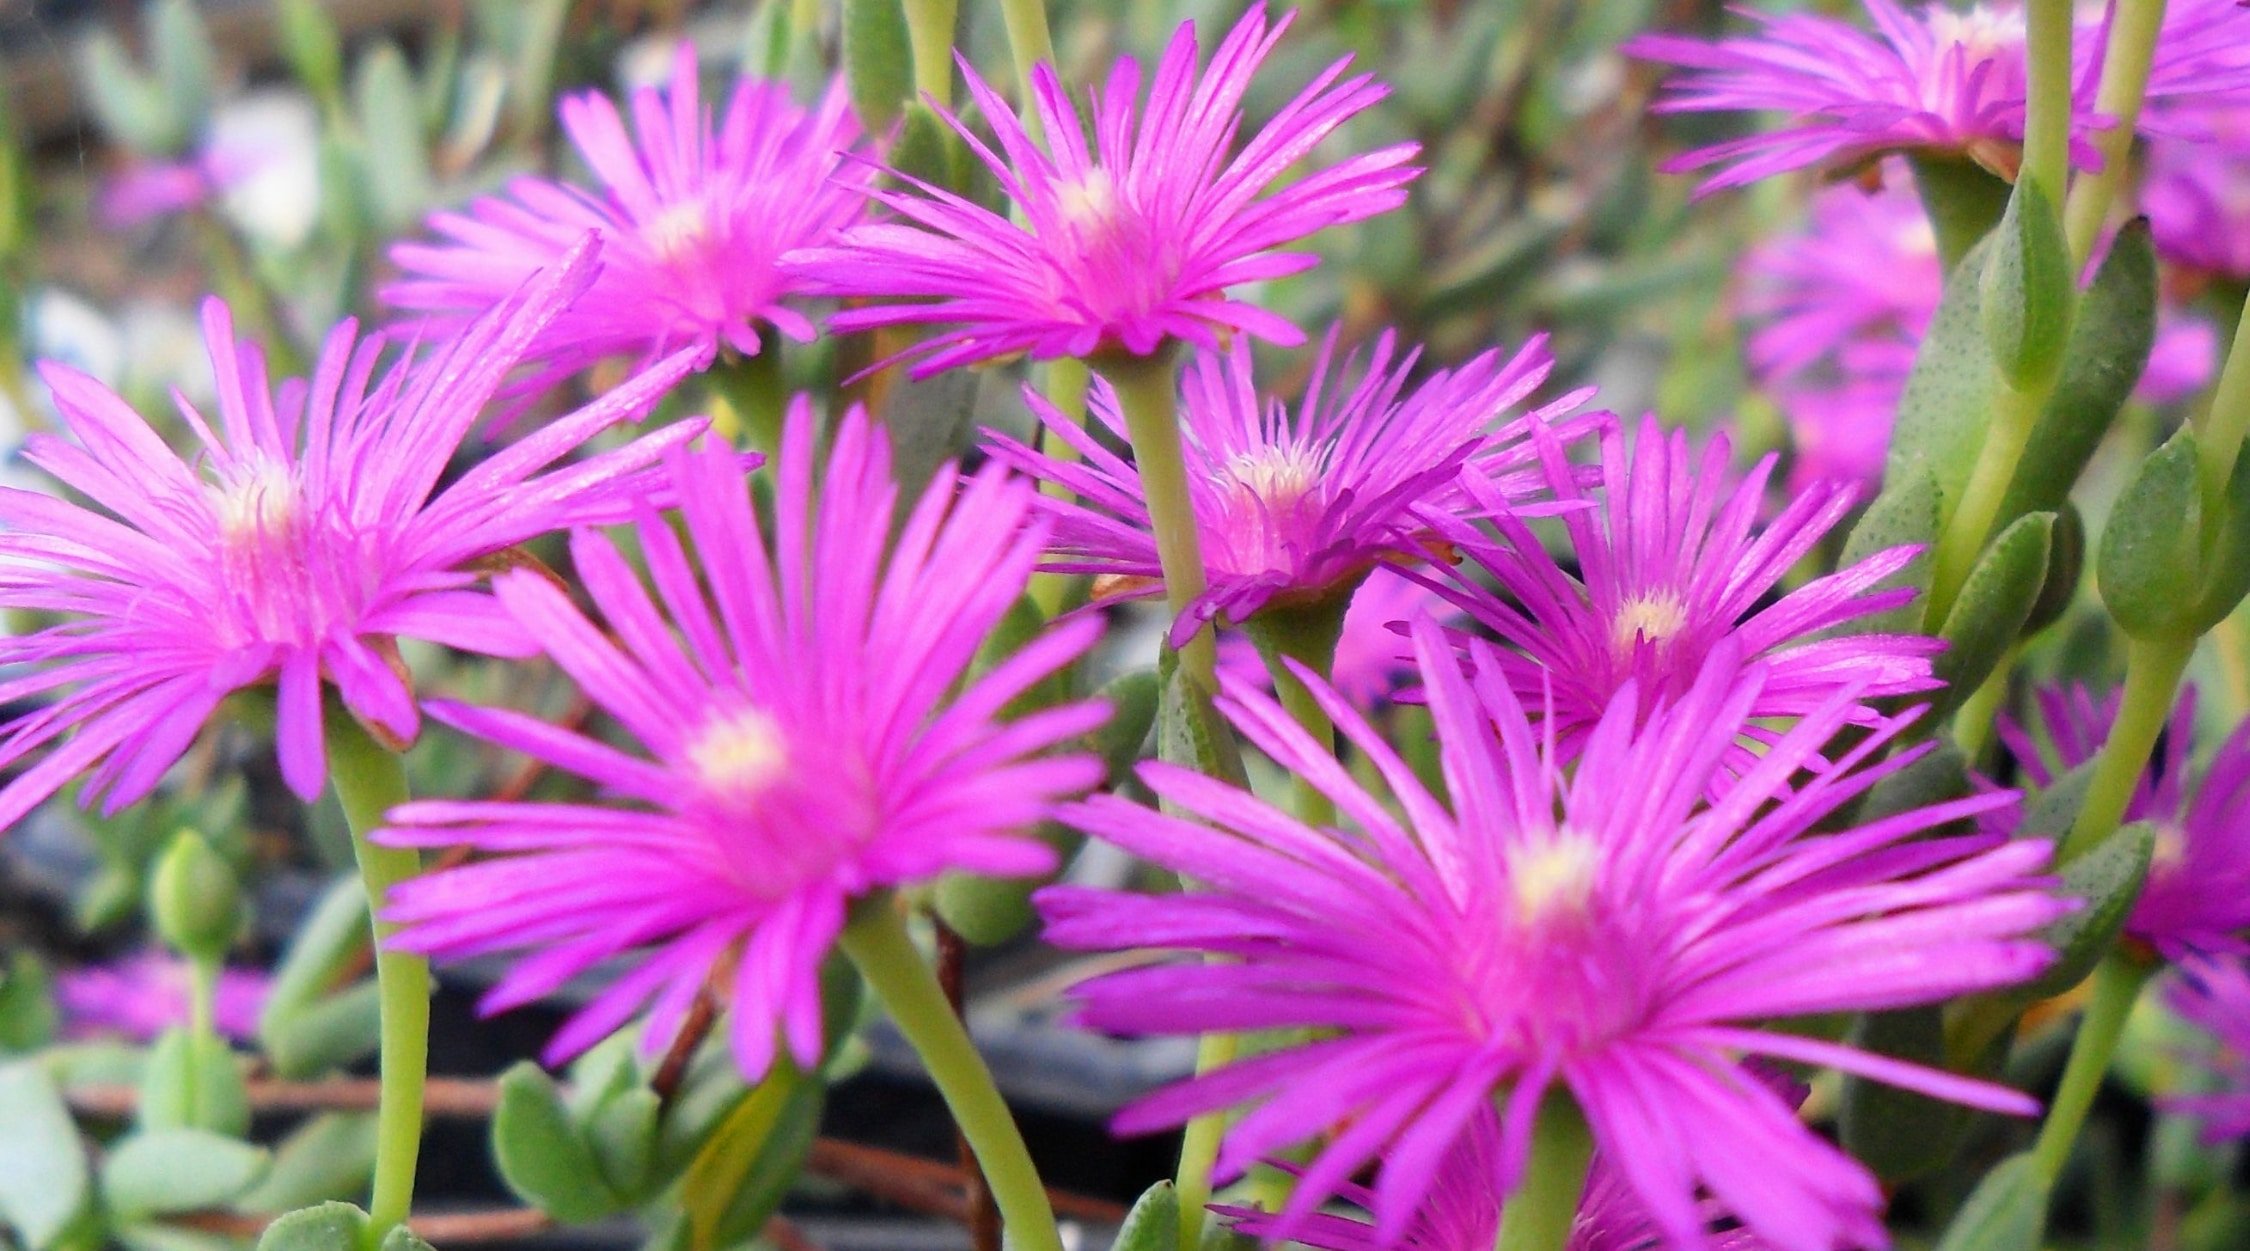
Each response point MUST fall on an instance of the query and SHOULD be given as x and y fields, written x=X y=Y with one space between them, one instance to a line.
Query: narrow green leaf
x=745 y=1167
x=2150 y=560
x=178 y=1170
x=127 y=104
x=389 y=105
x=1154 y=1222
x=1897 y=1133
x=328 y=1034
x=2226 y=572
x=622 y=1133
x=541 y=1155
x=403 y=1239
x=333 y=934
x=1964 y=201
x=878 y=62
x=181 y=47
x=312 y=47
x=2066 y=567
x=1905 y=514
x=328 y=1227
x=330 y=1156
x=1992 y=608
x=2028 y=289
x=1948 y=399
x=1189 y=730
x=193 y=1082
x=28 y=1018
x=43 y=1180
x=2006 y=1212
x=2108 y=879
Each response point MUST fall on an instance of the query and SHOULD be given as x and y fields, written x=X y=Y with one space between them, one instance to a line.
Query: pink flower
x=1671 y=566
x=310 y=531
x=1928 y=77
x=2213 y=994
x=798 y=740
x=1295 y=505
x=1603 y=930
x=1129 y=244
x=694 y=217
x=144 y=994
x=2197 y=897
x=2197 y=197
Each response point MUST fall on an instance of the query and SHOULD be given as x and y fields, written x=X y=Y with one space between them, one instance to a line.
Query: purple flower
x=797 y=745
x=2213 y=994
x=2197 y=197
x=1602 y=930
x=1671 y=566
x=146 y=993
x=2197 y=898
x=1296 y=505
x=1131 y=243
x=1928 y=78
x=1371 y=648
x=309 y=533
x=1462 y=1210
x=694 y=217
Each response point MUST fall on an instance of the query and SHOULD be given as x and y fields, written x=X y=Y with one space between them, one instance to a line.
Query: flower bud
x=194 y=899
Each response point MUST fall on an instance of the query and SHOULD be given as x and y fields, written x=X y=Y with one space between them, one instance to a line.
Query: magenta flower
x=1462 y=1210
x=1928 y=78
x=1671 y=566
x=2197 y=897
x=144 y=994
x=694 y=217
x=1600 y=929
x=2214 y=995
x=1371 y=650
x=798 y=748
x=2197 y=197
x=1296 y=505
x=309 y=533
x=1129 y=244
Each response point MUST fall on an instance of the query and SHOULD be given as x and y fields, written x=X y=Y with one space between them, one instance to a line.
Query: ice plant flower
x=1671 y=565
x=2197 y=897
x=2197 y=197
x=797 y=746
x=1462 y=1210
x=2213 y=994
x=1927 y=78
x=146 y=993
x=1602 y=931
x=1130 y=244
x=1297 y=504
x=695 y=214
x=309 y=532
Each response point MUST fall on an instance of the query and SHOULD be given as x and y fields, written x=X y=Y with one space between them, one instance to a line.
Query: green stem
x=1148 y=390
x=2153 y=668
x=2133 y=30
x=370 y=780
x=1307 y=634
x=2047 y=115
x=755 y=395
x=2117 y=983
x=875 y=939
x=1539 y=1215
x=2219 y=434
x=1029 y=43
x=1199 y=1144
x=1962 y=541
x=1972 y=725
x=203 y=998
x=1063 y=383
x=929 y=36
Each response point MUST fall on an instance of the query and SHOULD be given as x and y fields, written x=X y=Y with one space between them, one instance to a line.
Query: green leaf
x=2108 y=877
x=988 y=911
x=878 y=61
x=1189 y=730
x=622 y=1133
x=539 y=1150
x=2006 y=1212
x=127 y=104
x=1905 y=514
x=929 y=419
x=178 y=1170
x=331 y=1033
x=193 y=1082
x=1992 y=608
x=2109 y=346
x=2150 y=561
x=1948 y=399
x=2050 y=811
x=2028 y=289
x=1899 y=1134
x=181 y=47
x=328 y=1157
x=1154 y=1222
x=2066 y=566
x=403 y=1239
x=389 y=106
x=1964 y=201
x=746 y=1167
x=1132 y=700
x=313 y=49
x=330 y=938
x=156 y=1236
x=2226 y=572
x=42 y=1164
x=28 y=1018
x=328 y=1227
x=1938 y=776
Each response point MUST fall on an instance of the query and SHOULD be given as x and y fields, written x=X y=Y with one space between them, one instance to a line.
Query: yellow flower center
x=257 y=504
x=1090 y=202
x=1277 y=476
x=1981 y=32
x=1652 y=616
x=738 y=754
x=679 y=231
x=1552 y=879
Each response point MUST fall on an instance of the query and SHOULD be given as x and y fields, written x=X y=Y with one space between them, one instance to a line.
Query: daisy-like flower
x=2214 y=995
x=142 y=995
x=1671 y=565
x=308 y=534
x=1927 y=78
x=695 y=214
x=2197 y=897
x=1127 y=245
x=1603 y=931
x=2197 y=197
x=1295 y=505
x=798 y=745
x=1462 y=1210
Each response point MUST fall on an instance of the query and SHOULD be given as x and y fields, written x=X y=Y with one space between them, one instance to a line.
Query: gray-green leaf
x=42 y=1164
x=540 y=1152
x=178 y=1170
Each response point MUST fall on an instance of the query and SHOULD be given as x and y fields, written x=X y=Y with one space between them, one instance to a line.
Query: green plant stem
x=370 y=780
x=1539 y=1215
x=2047 y=114
x=2133 y=30
x=1029 y=43
x=1062 y=383
x=876 y=940
x=1199 y=1143
x=2117 y=983
x=203 y=998
x=1972 y=725
x=1307 y=634
x=2220 y=432
x=1962 y=541
x=929 y=37
x=2152 y=678
x=754 y=393
x=1148 y=390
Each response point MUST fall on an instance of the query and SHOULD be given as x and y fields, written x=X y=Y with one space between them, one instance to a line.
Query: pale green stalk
x=1539 y=1215
x=2117 y=983
x=1148 y=389
x=929 y=38
x=2220 y=431
x=2153 y=668
x=2133 y=30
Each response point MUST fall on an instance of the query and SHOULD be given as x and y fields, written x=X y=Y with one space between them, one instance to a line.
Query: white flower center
x=1981 y=32
x=257 y=503
x=1278 y=476
x=1552 y=879
x=679 y=231
x=1088 y=203
x=738 y=754
x=1652 y=616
